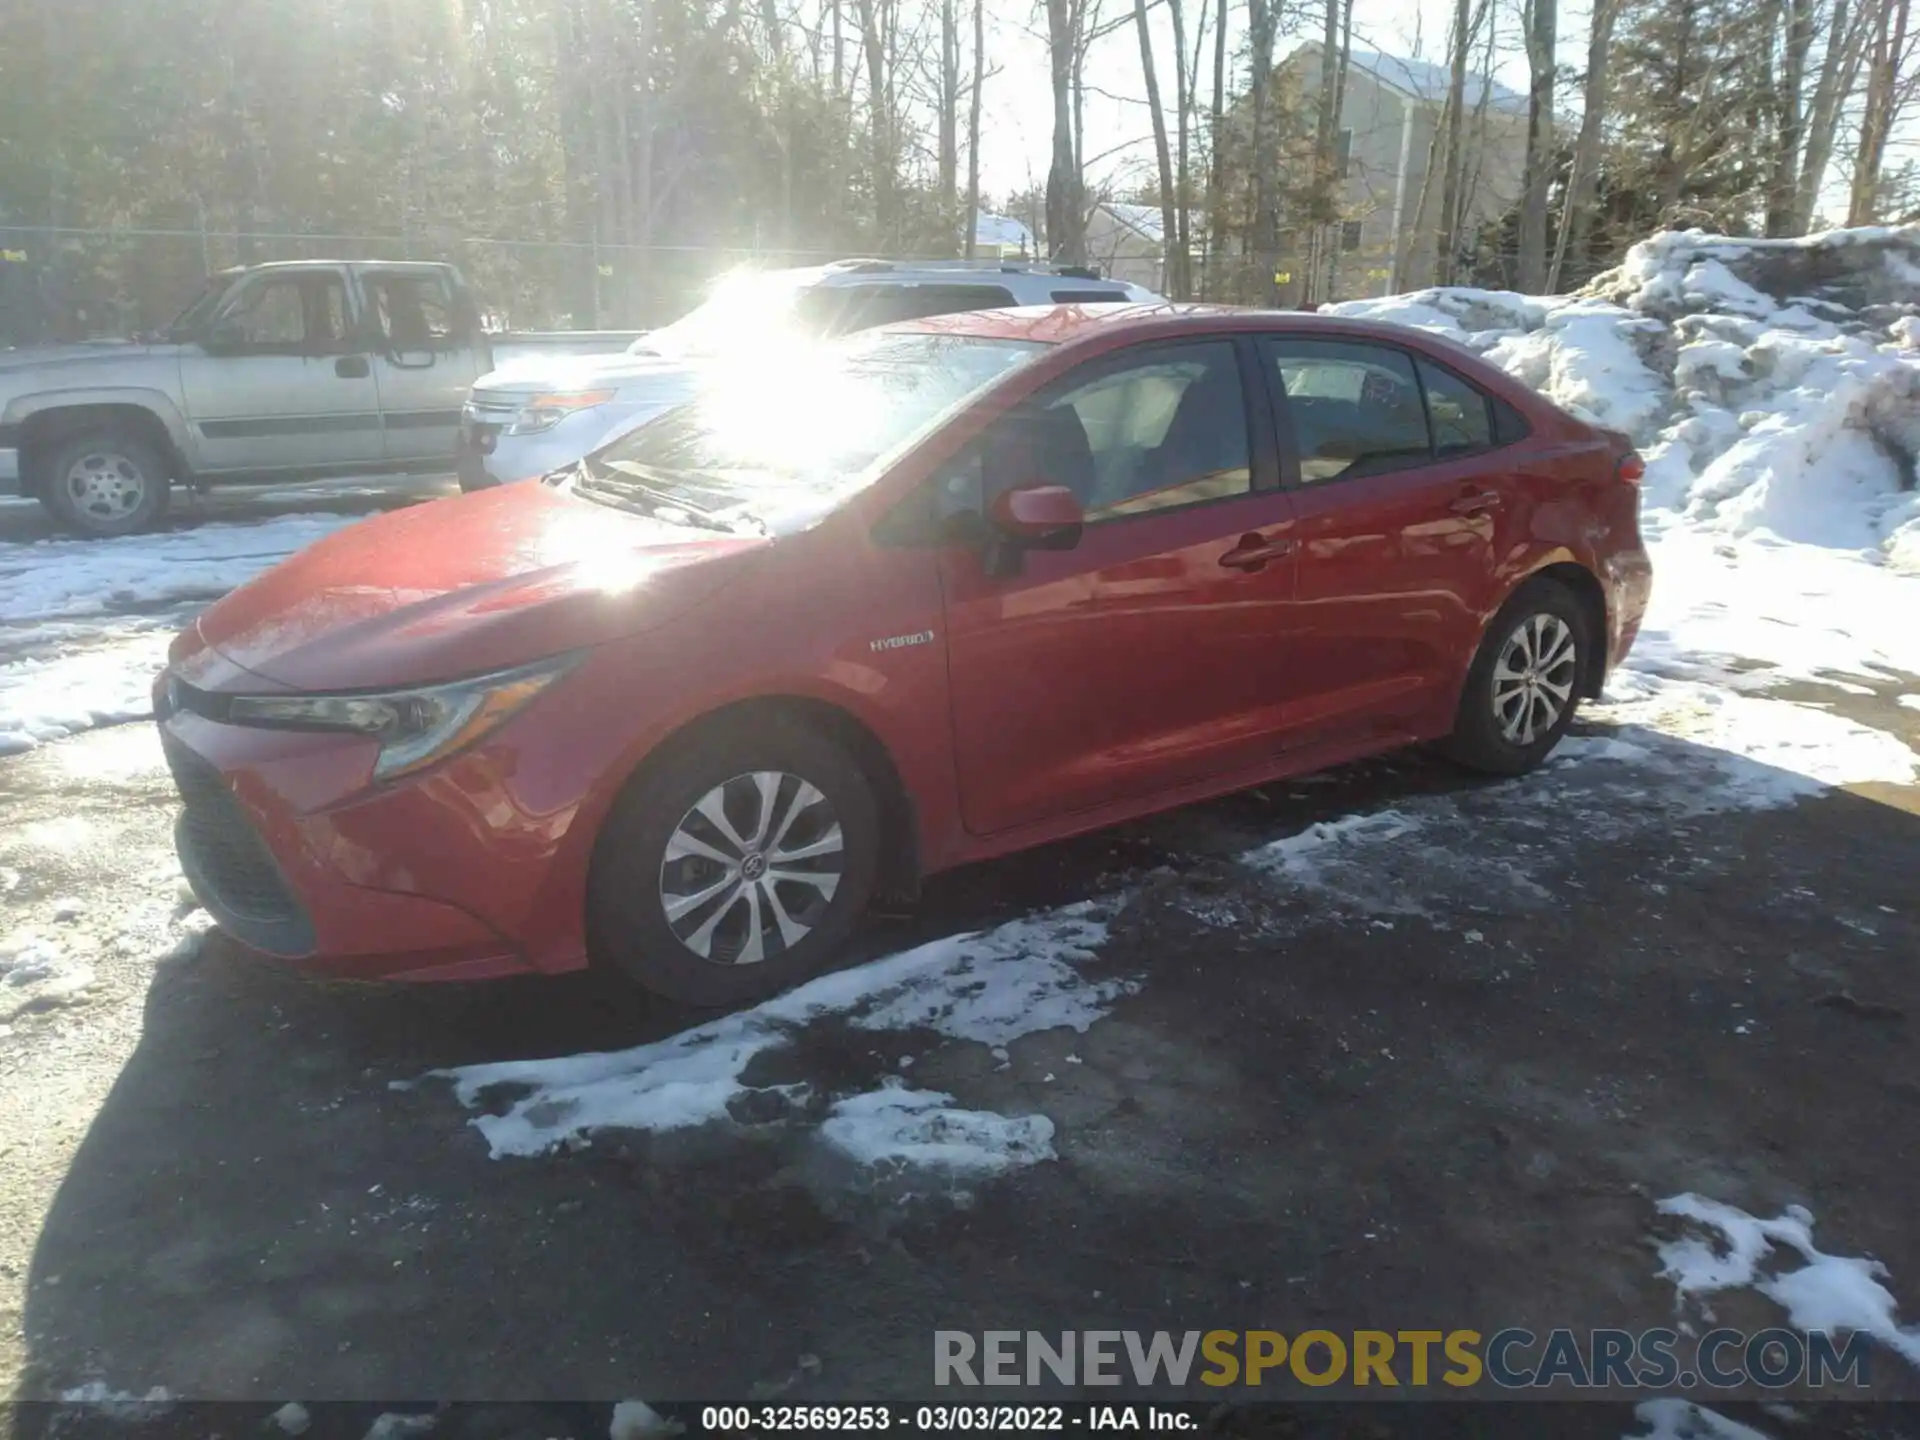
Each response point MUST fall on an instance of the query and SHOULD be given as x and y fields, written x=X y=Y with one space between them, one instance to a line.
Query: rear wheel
x=1524 y=683
x=104 y=483
x=737 y=865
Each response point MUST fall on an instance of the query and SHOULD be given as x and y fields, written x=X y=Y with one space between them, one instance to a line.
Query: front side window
x=1356 y=408
x=889 y=304
x=291 y=315
x=774 y=441
x=1163 y=430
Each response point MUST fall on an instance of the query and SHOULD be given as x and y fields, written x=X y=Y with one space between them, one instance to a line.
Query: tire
x=1512 y=729
x=705 y=955
x=103 y=483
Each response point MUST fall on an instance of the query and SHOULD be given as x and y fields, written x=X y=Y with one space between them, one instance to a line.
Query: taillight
x=1631 y=468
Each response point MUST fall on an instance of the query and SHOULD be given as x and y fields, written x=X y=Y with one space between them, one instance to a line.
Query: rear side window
x=1356 y=408
x=886 y=304
x=1461 y=415
x=1088 y=297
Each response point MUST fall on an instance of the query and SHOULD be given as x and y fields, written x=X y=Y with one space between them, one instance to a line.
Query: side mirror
x=1038 y=517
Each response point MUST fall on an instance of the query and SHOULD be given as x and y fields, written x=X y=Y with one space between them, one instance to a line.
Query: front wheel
x=737 y=866
x=105 y=483
x=1524 y=682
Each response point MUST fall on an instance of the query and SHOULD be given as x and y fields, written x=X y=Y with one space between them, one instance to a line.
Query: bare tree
x=1839 y=72
x=1265 y=227
x=1540 y=19
x=1576 y=219
x=1162 y=152
x=1447 y=255
x=1789 y=119
x=948 y=160
x=971 y=234
x=875 y=44
x=1887 y=56
x=1217 y=145
x=1066 y=221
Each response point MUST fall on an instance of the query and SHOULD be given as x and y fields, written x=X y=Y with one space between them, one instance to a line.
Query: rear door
x=1397 y=498
x=1150 y=655
x=424 y=359
x=281 y=380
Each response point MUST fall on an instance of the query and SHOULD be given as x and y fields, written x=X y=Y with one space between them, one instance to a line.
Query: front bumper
x=488 y=456
x=293 y=884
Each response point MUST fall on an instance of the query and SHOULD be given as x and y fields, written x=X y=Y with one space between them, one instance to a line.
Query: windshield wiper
x=622 y=480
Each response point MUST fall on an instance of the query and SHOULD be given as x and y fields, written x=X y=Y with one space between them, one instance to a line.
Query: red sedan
x=859 y=615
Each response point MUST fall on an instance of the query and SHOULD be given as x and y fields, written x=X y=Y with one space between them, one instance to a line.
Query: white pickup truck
x=273 y=372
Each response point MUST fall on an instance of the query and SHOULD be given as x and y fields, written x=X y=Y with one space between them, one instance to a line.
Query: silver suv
x=526 y=419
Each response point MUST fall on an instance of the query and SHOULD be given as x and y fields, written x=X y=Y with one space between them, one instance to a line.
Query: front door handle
x=1476 y=502
x=1254 y=550
x=352 y=367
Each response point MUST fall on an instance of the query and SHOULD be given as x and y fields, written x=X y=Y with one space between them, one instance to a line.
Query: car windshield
x=774 y=442
x=746 y=306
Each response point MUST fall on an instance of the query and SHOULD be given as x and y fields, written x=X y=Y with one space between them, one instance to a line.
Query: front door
x=424 y=361
x=1151 y=654
x=1397 y=507
x=279 y=381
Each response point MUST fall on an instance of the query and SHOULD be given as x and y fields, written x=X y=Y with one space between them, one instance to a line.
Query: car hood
x=535 y=376
x=456 y=587
x=47 y=357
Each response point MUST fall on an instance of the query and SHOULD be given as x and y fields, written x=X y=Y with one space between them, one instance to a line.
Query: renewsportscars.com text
x=1511 y=1359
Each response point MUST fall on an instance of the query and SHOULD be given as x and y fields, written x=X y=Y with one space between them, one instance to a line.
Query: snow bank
x=1774 y=385
x=73 y=658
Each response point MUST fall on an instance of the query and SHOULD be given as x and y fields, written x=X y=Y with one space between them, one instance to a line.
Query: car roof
x=1064 y=324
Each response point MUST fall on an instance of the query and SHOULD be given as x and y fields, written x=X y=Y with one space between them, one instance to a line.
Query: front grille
x=225 y=861
x=494 y=405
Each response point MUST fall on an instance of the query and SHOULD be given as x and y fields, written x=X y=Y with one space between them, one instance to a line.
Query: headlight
x=543 y=412
x=414 y=727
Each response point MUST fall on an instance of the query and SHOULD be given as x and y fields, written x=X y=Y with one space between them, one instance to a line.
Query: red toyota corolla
x=850 y=618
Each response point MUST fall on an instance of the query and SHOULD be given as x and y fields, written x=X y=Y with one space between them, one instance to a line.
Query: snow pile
x=1826 y=1292
x=37 y=974
x=1773 y=385
x=990 y=987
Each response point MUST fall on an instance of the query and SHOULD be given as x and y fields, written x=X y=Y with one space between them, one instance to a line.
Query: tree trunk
x=948 y=159
x=1530 y=271
x=1888 y=49
x=1162 y=153
x=873 y=44
x=1179 y=244
x=1839 y=69
x=1265 y=226
x=1066 y=234
x=1446 y=253
x=1576 y=219
x=1783 y=187
x=1320 y=192
x=970 y=237
x=1217 y=145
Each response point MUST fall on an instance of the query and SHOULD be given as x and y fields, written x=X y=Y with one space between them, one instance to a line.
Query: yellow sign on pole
x=1282 y=277
x=18 y=257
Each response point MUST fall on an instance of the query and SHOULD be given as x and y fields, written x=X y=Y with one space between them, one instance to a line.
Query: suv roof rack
x=867 y=265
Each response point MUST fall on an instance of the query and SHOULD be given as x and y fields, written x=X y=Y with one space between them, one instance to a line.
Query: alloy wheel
x=1534 y=677
x=751 y=868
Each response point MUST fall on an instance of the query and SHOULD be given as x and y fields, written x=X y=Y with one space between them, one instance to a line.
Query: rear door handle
x=1254 y=550
x=352 y=367
x=1476 y=502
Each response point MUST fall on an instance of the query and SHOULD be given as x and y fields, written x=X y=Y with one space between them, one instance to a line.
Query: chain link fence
x=73 y=284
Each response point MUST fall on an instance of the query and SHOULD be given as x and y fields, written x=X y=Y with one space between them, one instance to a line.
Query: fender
x=156 y=402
